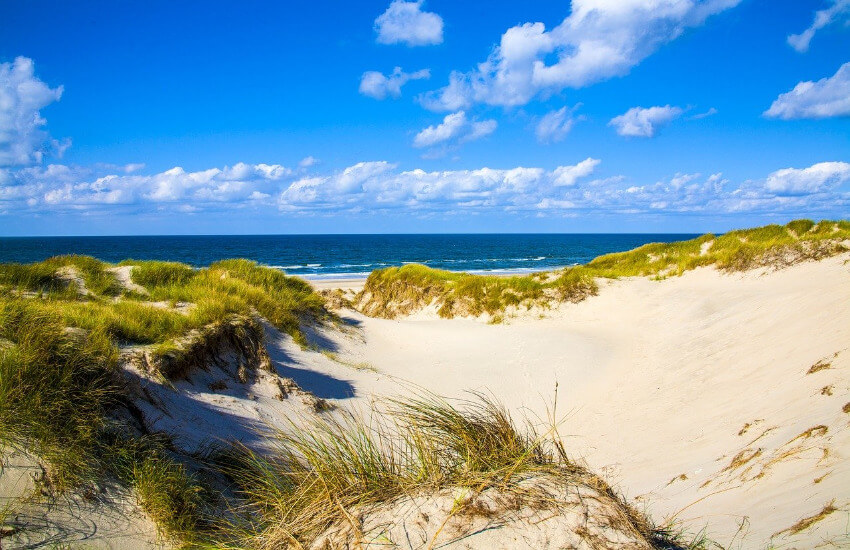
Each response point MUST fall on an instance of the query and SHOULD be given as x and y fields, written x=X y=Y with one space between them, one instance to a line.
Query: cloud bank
x=376 y=187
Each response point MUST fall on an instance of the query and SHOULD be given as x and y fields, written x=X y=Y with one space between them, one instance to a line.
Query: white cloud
x=640 y=122
x=555 y=125
x=705 y=114
x=61 y=185
x=567 y=176
x=455 y=127
x=22 y=96
x=406 y=23
x=378 y=86
x=828 y=97
x=381 y=187
x=307 y=162
x=600 y=39
x=814 y=179
x=839 y=8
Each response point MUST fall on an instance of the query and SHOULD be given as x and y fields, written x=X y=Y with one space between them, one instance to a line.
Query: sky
x=431 y=116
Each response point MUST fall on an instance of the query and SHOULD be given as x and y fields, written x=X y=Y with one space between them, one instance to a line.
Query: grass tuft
x=327 y=473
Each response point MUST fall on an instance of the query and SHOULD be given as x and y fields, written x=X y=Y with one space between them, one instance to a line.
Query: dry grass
x=819 y=366
x=807 y=522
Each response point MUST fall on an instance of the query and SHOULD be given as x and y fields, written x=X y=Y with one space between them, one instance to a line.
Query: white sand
x=658 y=379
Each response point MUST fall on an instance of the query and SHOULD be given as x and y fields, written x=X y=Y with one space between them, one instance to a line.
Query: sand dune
x=698 y=396
x=717 y=401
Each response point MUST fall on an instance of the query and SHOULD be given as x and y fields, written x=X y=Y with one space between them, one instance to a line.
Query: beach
x=691 y=394
x=695 y=395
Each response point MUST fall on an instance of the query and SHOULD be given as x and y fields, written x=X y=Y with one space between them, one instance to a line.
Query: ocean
x=344 y=256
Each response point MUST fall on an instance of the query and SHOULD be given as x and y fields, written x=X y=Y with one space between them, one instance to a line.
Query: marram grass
x=62 y=322
x=398 y=291
x=325 y=472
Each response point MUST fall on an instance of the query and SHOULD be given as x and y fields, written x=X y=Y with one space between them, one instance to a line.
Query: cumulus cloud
x=567 y=176
x=600 y=39
x=22 y=97
x=73 y=186
x=838 y=10
x=379 y=86
x=828 y=97
x=406 y=23
x=817 y=178
x=641 y=122
x=379 y=186
x=455 y=127
x=555 y=125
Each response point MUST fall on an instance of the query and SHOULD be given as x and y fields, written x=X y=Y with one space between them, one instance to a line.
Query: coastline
x=355 y=281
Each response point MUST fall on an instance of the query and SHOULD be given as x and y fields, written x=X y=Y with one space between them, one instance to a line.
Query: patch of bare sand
x=103 y=518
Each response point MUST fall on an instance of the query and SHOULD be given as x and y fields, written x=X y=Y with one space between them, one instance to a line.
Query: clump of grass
x=150 y=274
x=46 y=277
x=170 y=495
x=326 y=473
x=175 y=498
x=398 y=291
x=55 y=389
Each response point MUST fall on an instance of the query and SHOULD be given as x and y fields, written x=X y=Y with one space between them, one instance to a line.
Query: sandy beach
x=704 y=398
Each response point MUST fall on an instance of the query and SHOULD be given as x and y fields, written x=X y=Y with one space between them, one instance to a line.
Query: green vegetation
x=61 y=324
x=398 y=291
x=55 y=275
x=153 y=273
x=324 y=474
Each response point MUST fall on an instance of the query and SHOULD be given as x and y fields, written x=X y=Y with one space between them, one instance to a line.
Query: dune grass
x=326 y=472
x=57 y=388
x=47 y=276
x=398 y=291
x=59 y=351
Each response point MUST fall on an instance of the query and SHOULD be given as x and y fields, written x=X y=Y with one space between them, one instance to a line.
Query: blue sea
x=344 y=256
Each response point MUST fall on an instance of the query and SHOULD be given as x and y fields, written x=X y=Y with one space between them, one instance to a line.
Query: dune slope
x=715 y=399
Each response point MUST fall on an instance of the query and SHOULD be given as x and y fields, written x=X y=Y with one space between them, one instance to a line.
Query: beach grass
x=59 y=353
x=396 y=291
x=325 y=472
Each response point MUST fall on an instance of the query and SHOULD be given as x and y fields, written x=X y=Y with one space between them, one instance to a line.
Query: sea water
x=344 y=256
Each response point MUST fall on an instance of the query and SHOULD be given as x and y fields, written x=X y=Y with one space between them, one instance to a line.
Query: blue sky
x=285 y=117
